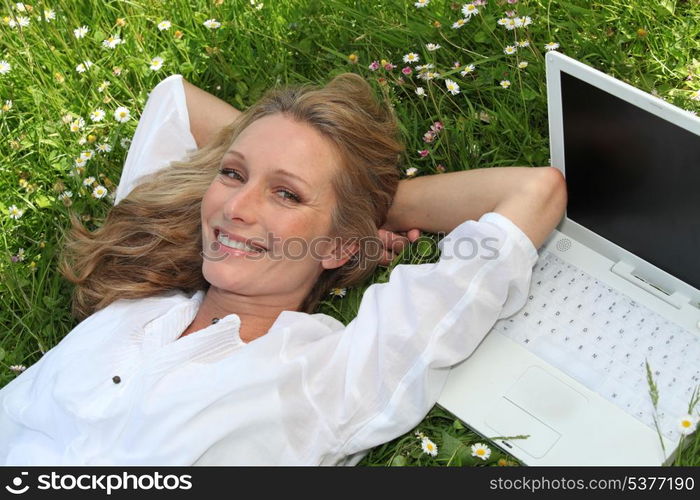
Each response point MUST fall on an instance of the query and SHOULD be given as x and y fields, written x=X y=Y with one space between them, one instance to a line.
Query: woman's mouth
x=229 y=243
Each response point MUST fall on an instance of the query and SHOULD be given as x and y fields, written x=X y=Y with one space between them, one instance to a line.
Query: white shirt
x=310 y=391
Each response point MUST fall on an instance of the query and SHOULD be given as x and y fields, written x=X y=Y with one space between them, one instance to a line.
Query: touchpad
x=538 y=405
x=547 y=398
x=507 y=420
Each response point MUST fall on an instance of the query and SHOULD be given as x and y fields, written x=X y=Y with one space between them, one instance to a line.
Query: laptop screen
x=633 y=178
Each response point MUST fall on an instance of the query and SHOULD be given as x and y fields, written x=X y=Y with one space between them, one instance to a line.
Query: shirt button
x=116 y=379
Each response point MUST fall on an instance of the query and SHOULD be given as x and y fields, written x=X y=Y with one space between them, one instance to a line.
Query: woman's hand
x=394 y=243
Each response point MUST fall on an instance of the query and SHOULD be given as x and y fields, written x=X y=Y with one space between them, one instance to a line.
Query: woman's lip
x=235 y=251
x=260 y=248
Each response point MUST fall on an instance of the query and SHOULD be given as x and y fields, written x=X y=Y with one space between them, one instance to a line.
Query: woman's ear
x=340 y=254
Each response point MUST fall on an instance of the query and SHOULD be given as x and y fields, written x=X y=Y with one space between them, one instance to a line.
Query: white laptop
x=617 y=284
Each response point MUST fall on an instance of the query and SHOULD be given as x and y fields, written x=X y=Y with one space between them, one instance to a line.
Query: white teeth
x=239 y=245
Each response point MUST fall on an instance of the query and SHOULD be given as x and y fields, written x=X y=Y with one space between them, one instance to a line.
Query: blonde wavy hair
x=151 y=242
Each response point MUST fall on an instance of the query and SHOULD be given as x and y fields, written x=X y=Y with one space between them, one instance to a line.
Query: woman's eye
x=290 y=196
x=230 y=173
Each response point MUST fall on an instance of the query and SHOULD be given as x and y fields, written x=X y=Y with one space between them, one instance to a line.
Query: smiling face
x=274 y=192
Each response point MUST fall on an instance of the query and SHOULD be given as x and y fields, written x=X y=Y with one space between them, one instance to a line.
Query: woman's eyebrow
x=280 y=171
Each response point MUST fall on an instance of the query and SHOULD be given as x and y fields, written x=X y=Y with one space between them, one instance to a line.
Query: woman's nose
x=244 y=203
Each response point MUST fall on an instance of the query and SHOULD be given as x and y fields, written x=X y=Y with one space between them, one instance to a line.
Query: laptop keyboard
x=602 y=338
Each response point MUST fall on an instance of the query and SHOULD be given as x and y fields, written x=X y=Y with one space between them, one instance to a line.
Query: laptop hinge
x=625 y=270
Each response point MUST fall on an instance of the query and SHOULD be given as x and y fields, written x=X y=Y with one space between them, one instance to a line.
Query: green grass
x=654 y=45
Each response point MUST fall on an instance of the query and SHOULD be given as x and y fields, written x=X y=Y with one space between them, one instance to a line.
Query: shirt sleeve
x=392 y=360
x=162 y=135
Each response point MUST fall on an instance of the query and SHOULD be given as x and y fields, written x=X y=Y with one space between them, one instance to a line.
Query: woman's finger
x=413 y=235
x=392 y=241
x=398 y=243
x=387 y=258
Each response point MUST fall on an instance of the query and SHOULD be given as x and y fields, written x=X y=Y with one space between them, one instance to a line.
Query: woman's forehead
x=281 y=136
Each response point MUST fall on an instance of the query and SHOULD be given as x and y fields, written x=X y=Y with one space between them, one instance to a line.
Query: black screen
x=633 y=178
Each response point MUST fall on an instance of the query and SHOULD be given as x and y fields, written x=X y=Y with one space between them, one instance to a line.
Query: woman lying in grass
x=199 y=343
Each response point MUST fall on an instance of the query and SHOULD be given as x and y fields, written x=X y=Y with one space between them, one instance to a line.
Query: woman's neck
x=256 y=316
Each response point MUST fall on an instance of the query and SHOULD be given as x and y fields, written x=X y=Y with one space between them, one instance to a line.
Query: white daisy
x=97 y=115
x=505 y=83
x=99 y=192
x=481 y=451
x=510 y=50
x=164 y=25
x=428 y=75
x=50 y=15
x=428 y=447
x=80 y=162
x=425 y=66
x=88 y=181
x=522 y=64
x=122 y=114
x=338 y=292
x=103 y=148
x=459 y=23
x=15 y=213
x=77 y=125
x=83 y=66
x=103 y=86
x=421 y=3
x=411 y=171
x=411 y=57
x=125 y=142
x=527 y=21
x=523 y=43
x=212 y=24
x=518 y=22
x=469 y=68
x=65 y=194
x=452 y=86
x=111 y=42
x=469 y=10
x=81 y=32
x=156 y=63
x=510 y=24
x=6 y=107
x=420 y=91
x=432 y=46
x=686 y=425
x=5 y=67
x=18 y=368
x=695 y=96
x=20 y=7
x=23 y=21
x=86 y=155
x=551 y=46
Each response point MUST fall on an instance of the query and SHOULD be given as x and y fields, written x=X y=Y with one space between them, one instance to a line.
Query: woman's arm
x=208 y=114
x=534 y=198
